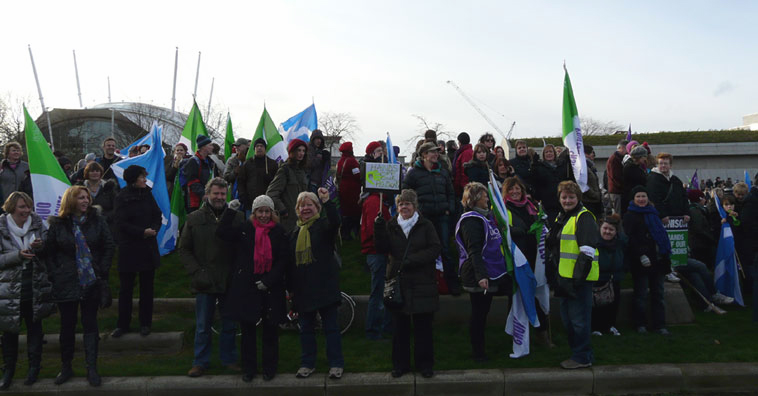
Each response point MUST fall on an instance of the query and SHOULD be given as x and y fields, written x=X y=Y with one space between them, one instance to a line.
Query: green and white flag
x=276 y=148
x=49 y=182
x=572 y=134
x=194 y=126
x=178 y=210
x=229 y=139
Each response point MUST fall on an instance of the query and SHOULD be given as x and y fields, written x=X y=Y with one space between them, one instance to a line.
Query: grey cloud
x=723 y=87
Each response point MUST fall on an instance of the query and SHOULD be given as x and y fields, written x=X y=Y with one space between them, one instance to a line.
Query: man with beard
x=206 y=258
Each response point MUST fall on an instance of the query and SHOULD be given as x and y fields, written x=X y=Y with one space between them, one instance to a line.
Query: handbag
x=603 y=295
x=393 y=295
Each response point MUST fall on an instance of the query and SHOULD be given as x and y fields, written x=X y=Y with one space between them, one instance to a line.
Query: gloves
x=235 y=204
x=645 y=261
x=261 y=286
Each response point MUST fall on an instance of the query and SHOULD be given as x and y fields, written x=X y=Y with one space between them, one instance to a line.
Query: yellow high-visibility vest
x=570 y=250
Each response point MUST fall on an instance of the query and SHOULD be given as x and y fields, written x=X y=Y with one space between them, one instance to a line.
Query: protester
x=79 y=251
x=701 y=279
x=235 y=161
x=592 y=199
x=137 y=219
x=411 y=242
x=109 y=157
x=614 y=170
x=217 y=158
x=481 y=262
x=314 y=280
x=78 y=176
x=463 y=155
x=319 y=161
x=477 y=170
x=648 y=258
x=24 y=285
x=634 y=175
x=488 y=140
x=207 y=261
x=502 y=170
x=436 y=202
x=103 y=192
x=701 y=240
x=573 y=269
x=290 y=180
x=444 y=159
x=174 y=163
x=255 y=174
x=545 y=172
x=256 y=288
x=499 y=152
x=522 y=164
x=610 y=246
x=348 y=178
x=14 y=173
x=451 y=151
x=197 y=171
x=749 y=219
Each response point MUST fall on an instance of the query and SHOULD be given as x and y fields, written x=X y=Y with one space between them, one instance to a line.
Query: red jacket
x=614 y=170
x=465 y=154
x=349 y=179
x=370 y=210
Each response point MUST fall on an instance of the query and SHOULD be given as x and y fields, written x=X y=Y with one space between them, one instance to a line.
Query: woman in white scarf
x=25 y=288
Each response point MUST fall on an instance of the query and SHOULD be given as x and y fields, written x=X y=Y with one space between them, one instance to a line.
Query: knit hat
x=260 y=141
x=464 y=138
x=647 y=147
x=263 y=201
x=639 y=152
x=202 y=140
x=372 y=146
x=294 y=144
x=132 y=173
x=90 y=157
x=639 y=189
x=428 y=146
x=630 y=144
x=695 y=195
x=241 y=141
x=347 y=146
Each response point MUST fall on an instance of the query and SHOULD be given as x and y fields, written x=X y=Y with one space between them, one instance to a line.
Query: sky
x=670 y=66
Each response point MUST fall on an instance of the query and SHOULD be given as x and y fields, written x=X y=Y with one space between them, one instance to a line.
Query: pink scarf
x=524 y=202
x=262 y=258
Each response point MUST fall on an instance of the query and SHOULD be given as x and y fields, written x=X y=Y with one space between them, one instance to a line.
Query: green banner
x=677 y=230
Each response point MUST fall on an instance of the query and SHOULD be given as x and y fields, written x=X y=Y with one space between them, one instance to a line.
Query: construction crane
x=489 y=121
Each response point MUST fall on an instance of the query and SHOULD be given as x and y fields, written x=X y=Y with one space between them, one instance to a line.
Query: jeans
x=125 y=293
x=442 y=227
x=576 y=314
x=699 y=276
x=378 y=320
x=652 y=281
x=307 y=321
x=68 y=311
x=205 y=307
x=423 y=351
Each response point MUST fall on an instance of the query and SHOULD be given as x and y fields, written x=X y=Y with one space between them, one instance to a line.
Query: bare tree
x=12 y=119
x=337 y=126
x=593 y=127
x=422 y=126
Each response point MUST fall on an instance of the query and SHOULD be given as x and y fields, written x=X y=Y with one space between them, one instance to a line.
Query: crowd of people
x=275 y=238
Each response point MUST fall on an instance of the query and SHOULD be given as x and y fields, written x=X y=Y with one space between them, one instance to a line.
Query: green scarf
x=303 y=253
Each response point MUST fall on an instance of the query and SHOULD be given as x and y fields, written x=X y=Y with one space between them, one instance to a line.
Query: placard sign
x=678 y=235
x=382 y=177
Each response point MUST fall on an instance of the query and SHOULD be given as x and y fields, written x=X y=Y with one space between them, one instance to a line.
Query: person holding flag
x=573 y=268
x=196 y=173
x=290 y=180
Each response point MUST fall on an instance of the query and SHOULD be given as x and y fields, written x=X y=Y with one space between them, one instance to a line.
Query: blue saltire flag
x=300 y=125
x=152 y=161
x=391 y=158
x=124 y=152
x=695 y=183
x=747 y=180
x=725 y=276
x=629 y=133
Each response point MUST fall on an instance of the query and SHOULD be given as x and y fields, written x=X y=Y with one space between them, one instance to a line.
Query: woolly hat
x=695 y=195
x=630 y=144
x=639 y=152
x=263 y=201
x=647 y=147
x=372 y=146
x=347 y=146
x=294 y=144
x=260 y=141
x=202 y=140
x=639 y=189
x=241 y=141
x=90 y=157
x=132 y=173
x=464 y=138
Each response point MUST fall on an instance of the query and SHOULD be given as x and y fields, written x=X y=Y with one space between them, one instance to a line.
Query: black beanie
x=132 y=173
x=464 y=138
x=639 y=189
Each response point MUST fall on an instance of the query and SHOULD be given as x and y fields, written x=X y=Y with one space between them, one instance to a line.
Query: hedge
x=657 y=138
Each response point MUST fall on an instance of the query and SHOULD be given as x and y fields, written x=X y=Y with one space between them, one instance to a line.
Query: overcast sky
x=672 y=65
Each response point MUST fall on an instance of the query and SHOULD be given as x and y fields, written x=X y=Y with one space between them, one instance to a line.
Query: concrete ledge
x=719 y=377
x=209 y=385
x=461 y=382
x=168 y=342
x=370 y=384
x=116 y=386
x=548 y=381
x=286 y=384
x=637 y=379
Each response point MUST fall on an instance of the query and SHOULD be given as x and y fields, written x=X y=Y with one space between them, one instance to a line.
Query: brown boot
x=196 y=371
x=542 y=338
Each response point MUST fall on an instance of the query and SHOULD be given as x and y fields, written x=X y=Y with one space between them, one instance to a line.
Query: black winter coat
x=477 y=171
x=106 y=200
x=522 y=166
x=434 y=189
x=254 y=176
x=668 y=195
x=244 y=302
x=415 y=256
x=60 y=253
x=525 y=241
x=546 y=180
x=316 y=285
x=634 y=176
x=641 y=242
x=136 y=210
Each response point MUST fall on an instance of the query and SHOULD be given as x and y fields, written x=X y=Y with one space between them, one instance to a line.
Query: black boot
x=8 y=371
x=10 y=352
x=31 y=376
x=34 y=346
x=66 y=373
x=90 y=357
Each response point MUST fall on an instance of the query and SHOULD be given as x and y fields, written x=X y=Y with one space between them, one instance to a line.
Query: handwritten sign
x=381 y=177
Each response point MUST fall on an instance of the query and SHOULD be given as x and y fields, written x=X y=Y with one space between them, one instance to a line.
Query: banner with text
x=382 y=177
x=677 y=230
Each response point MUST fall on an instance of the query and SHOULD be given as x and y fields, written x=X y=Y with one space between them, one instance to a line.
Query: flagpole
x=197 y=74
x=42 y=100
x=109 y=90
x=78 y=88
x=213 y=81
x=176 y=65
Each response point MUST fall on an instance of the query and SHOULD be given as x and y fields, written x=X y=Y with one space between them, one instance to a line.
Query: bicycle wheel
x=345 y=313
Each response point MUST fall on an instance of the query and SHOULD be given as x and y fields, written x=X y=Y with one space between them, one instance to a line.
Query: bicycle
x=345 y=314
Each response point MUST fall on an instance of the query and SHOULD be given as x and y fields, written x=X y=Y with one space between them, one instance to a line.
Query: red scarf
x=262 y=257
x=524 y=202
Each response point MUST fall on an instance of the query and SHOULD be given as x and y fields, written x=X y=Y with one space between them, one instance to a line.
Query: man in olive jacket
x=206 y=259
